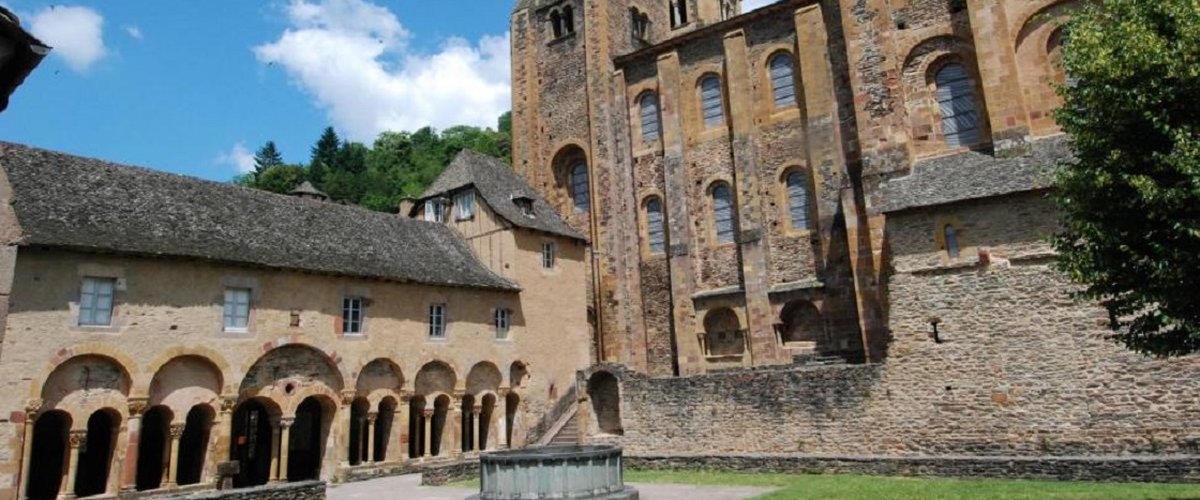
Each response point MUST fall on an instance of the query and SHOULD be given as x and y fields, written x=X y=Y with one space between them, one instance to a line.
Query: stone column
x=371 y=430
x=427 y=423
x=173 y=455
x=285 y=425
x=452 y=431
x=274 y=451
x=502 y=441
x=400 y=422
x=32 y=409
x=137 y=408
x=77 y=439
x=223 y=426
x=476 y=411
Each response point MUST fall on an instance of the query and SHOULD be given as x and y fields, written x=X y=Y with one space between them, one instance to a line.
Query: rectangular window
x=465 y=202
x=548 y=257
x=437 y=321
x=503 y=317
x=435 y=211
x=352 y=316
x=237 y=309
x=96 y=301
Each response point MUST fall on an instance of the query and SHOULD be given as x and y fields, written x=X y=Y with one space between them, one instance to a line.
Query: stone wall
x=308 y=490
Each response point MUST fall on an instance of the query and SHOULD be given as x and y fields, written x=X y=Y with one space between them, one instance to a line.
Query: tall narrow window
x=952 y=244
x=96 y=301
x=656 y=236
x=465 y=202
x=548 y=255
x=568 y=20
x=556 y=24
x=503 y=318
x=679 y=14
x=579 y=188
x=437 y=321
x=711 y=102
x=649 y=111
x=352 y=315
x=641 y=25
x=237 y=309
x=435 y=211
x=956 y=101
x=797 y=191
x=783 y=82
x=722 y=199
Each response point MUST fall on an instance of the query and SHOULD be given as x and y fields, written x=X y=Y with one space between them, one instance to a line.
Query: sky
x=195 y=87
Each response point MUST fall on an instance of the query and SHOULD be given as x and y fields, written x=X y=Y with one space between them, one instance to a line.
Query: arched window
x=648 y=106
x=956 y=100
x=722 y=200
x=640 y=23
x=556 y=24
x=783 y=82
x=723 y=335
x=952 y=243
x=579 y=188
x=656 y=236
x=679 y=14
x=797 y=192
x=568 y=20
x=711 y=102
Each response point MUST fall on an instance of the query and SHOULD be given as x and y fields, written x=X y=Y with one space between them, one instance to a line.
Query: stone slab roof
x=974 y=175
x=80 y=203
x=498 y=183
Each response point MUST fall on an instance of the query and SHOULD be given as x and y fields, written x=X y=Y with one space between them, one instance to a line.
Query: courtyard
x=680 y=485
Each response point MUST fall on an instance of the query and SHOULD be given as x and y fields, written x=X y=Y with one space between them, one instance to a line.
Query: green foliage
x=267 y=156
x=398 y=164
x=1131 y=197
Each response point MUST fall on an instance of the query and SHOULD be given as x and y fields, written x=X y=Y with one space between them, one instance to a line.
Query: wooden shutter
x=782 y=81
x=579 y=188
x=723 y=213
x=649 y=111
x=797 y=190
x=656 y=236
x=710 y=98
x=956 y=99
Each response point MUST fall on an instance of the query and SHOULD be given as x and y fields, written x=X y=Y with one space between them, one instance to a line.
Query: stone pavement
x=409 y=487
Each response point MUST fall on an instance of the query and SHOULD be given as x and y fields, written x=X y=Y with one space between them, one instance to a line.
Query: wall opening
x=95 y=454
x=306 y=441
x=383 y=428
x=193 y=445
x=48 y=456
x=251 y=444
x=605 y=393
x=152 y=448
x=358 y=431
x=441 y=409
x=802 y=324
x=485 y=421
x=416 y=427
x=511 y=401
x=468 y=423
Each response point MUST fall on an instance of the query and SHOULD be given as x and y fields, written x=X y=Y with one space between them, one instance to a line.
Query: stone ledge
x=307 y=490
x=1150 y=469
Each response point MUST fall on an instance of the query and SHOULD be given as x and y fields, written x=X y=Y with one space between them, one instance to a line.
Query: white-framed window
x=237 y=309
x=437 y=321
x=711 y=102
x=96 y=301
x=783 y=82
x=579 y=188
x=465 y=203
x=549 y=251
x=352 y=316
x=679 y=13
x=435 y=211
x=503 y=321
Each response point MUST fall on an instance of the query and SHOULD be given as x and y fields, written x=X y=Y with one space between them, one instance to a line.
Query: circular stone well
x=568 y=472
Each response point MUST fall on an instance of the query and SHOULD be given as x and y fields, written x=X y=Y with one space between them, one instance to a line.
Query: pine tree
x=267 y=156
x=324 y=156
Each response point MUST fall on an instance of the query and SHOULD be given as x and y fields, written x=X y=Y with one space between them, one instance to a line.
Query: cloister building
x=157 y=326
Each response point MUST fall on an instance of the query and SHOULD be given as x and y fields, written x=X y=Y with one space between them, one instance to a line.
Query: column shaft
x=286 y=426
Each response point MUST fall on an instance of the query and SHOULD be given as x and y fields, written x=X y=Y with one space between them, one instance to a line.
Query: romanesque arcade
x=98 y=422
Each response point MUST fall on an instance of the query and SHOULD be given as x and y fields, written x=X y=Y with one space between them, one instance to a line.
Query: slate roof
x=498 y=184
x=92 y=205
x=974 y=175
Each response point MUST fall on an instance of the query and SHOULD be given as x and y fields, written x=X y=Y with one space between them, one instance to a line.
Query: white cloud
x=76 y=33
x=354 y=59
x=133 y=31
x=749 y=5
x=238 y=157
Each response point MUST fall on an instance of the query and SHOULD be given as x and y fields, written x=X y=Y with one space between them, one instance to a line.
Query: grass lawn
x=901 y=488
x=872 y=487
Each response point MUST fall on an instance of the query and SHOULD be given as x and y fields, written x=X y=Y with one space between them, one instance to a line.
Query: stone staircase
x=568 y=435
x=827 y=358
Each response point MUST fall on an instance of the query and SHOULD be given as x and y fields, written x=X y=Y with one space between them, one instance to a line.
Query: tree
x=324 y=155
x=1131 y=196
x=266 y=157
x=281 y=179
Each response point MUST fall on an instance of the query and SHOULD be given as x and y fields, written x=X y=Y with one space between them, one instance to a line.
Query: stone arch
x=1039 y=62
x=95 y=472
x=210 y=356
x=291 y=373
x=98 y=350
x=575 y=189
x=84 y=384
x=921 y=64
x=252 y=441
x=802 y=323
x=604 y=391
x=46 y=469
x=723 y=333
x=435 y=377
x=193 y=444
x=484 y=376
x=304 y=341
x=184 y=382
x=309 y=436
x=378 y=379
x=384 y=427
x=518 y=374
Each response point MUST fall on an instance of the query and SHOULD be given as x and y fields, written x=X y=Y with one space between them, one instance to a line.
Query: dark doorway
x=95 y=455
x=383 y=428
x=416 y=427
x=511 y=400
x=193 y=445
x=358 y=430
x=605 y=393
x=49 y=455
x=441 y=407
x=251 y=444
x=305 y=442
x=152 y=444
x=468 y=423
x=485 y=420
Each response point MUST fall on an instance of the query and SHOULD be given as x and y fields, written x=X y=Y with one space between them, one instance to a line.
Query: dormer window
x=525 y=204
x=435 y=210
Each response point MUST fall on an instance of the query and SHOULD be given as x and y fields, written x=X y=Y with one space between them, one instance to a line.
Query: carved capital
x=427 y=412
x=372 y=416
x=348 y=397
x=476 y=410
x=228 y=403
x=77 y=438
x=138 y=406
x=176 y=431
x=32 y=408
x=286 y=422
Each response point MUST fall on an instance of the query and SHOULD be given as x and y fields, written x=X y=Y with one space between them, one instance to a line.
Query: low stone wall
x=439 y=475
x=1115 y=469
x=308 y=490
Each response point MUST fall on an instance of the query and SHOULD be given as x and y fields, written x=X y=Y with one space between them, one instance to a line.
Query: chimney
x=406 y=206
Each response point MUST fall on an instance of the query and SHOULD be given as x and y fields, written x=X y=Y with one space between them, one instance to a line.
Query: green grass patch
x=903 y=488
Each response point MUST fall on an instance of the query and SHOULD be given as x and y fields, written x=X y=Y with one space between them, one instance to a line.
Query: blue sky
x=195 y=87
